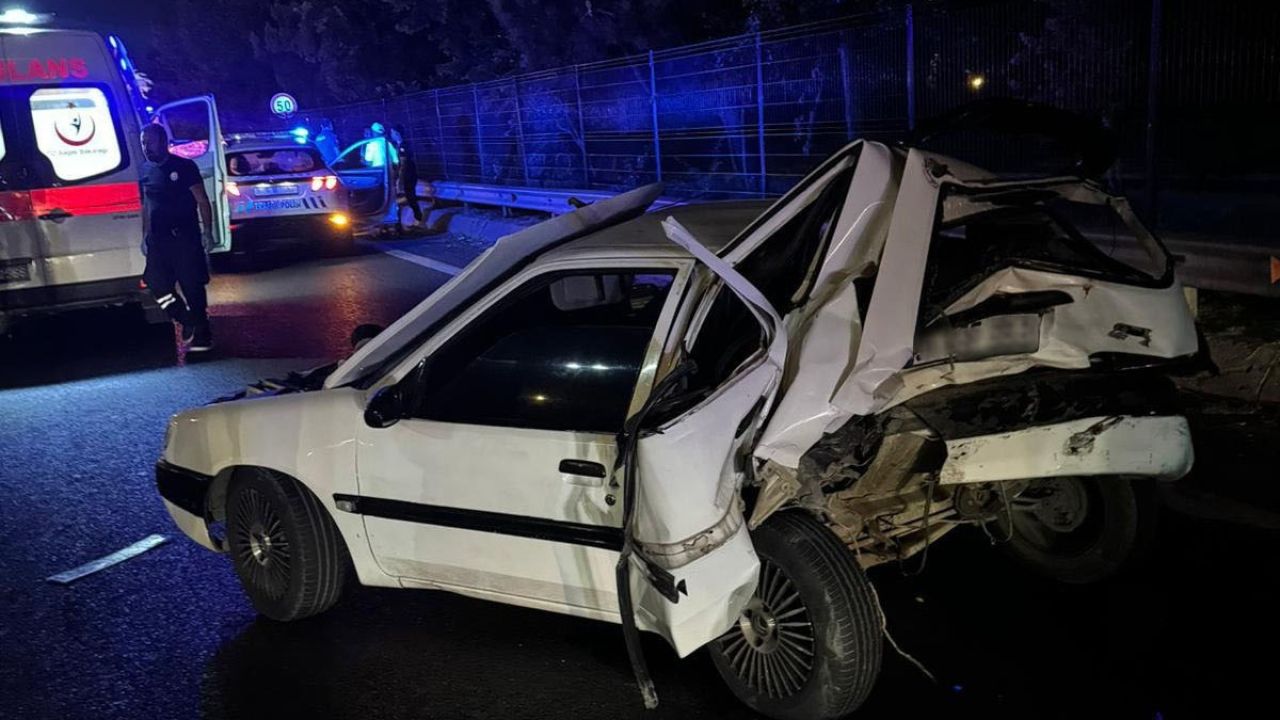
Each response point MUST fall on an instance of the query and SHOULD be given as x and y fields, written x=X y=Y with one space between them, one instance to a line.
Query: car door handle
x=56 y=215
x=583 y=469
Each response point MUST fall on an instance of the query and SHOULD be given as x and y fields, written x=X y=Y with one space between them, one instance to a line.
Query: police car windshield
x=278 y=161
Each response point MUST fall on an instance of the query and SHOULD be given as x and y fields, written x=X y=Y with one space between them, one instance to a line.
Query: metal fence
x=1192 y=90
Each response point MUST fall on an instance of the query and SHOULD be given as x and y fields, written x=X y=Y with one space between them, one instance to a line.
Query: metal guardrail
x=554 y=202
x=1207 y=263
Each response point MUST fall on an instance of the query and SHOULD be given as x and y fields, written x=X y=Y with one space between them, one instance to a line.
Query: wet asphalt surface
x=83 y=403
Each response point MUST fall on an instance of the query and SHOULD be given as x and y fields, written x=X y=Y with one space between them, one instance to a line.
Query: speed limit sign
x=283 y=105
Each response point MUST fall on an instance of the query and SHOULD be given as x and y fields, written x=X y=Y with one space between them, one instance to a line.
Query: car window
x=727 y=337
x=75 y=130
x=981 y=234
x=283 y=161
x=784 y=264
x=562 y=353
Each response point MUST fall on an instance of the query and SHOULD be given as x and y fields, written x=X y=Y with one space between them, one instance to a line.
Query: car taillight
x=233 y=189
x=328 y=182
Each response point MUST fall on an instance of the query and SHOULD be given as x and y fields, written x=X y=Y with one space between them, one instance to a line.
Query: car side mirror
x=386 y=407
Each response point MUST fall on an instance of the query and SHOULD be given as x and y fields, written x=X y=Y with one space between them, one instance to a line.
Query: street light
x=976 y=82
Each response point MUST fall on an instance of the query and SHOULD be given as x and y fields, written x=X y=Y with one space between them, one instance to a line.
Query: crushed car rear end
x=1012 y=342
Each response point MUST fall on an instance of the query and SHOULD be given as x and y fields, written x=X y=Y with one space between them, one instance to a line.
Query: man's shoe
x=202 y=340
x=188 y=334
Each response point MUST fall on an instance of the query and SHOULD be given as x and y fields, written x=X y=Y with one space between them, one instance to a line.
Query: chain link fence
x=1191 y=89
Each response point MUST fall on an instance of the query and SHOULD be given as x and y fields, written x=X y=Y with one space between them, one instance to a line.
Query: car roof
x=714 y=224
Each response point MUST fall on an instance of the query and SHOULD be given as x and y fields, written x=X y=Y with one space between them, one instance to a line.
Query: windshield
x=278 y=161
x=1072 y=229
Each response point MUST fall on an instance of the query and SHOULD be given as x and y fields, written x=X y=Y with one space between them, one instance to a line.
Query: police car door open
x=194 y=133
x=365 y=168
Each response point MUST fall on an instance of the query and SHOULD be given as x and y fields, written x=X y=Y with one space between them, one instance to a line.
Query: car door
x=792 y=260
x=372 y=196
x=502 y=484
x=689 y=527
x=195 y=133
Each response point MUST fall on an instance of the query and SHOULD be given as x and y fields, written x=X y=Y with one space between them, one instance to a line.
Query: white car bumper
x=1153 y=446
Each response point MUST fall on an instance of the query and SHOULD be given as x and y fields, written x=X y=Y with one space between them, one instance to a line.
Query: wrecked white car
x=658 y=421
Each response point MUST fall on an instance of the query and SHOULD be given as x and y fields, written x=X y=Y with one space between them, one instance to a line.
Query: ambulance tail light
x=233 y=188
x=328 y=182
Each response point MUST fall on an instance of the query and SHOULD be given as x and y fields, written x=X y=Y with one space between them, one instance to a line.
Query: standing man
x=327 y=141
x=409 y=180
x=177 y=223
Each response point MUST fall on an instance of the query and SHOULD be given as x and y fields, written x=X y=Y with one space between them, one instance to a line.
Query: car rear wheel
x=1080 y=530
x=808 y=643
x=286 y=549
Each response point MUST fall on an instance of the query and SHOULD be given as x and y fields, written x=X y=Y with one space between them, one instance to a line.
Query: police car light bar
x=19 y=16
x=271 y=135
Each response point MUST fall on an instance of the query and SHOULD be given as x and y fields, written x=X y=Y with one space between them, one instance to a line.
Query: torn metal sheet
x=102 y=563
x=828 y=329
x=889 y=332
x=1070 y=334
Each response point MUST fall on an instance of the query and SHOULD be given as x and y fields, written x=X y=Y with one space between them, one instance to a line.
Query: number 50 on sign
x=283 y=104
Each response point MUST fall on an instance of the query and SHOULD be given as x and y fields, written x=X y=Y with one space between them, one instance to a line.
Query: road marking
x=425 y=262
x=114 y=558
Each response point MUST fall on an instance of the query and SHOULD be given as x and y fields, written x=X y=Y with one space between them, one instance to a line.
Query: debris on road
x=69 y=576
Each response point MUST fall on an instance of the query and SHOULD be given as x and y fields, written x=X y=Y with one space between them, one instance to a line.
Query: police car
x=279 y=186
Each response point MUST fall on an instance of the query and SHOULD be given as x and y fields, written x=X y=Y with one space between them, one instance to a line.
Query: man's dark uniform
x=175 y=253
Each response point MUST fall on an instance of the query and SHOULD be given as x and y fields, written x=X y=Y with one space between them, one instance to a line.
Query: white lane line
x=114 y=558
x=425 y=262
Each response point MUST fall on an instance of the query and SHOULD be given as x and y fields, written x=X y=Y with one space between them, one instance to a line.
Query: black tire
x=806 y=575
x=1113 y=531
x=286 y=549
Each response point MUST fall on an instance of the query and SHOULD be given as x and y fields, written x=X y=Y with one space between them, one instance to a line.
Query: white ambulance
x=70 y=206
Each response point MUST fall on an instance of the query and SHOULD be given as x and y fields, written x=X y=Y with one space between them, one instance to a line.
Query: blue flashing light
x=115 y=44
x=151 y=108
x=124 y=64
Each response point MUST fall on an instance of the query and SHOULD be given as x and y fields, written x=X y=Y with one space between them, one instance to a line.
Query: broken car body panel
x=1152 y=319
x=1156 y=447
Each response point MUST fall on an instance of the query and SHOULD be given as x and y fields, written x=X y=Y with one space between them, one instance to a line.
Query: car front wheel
x=808 y=643
x=287 y=552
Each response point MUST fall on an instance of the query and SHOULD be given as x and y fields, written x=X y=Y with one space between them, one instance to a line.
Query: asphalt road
x=83 y=403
